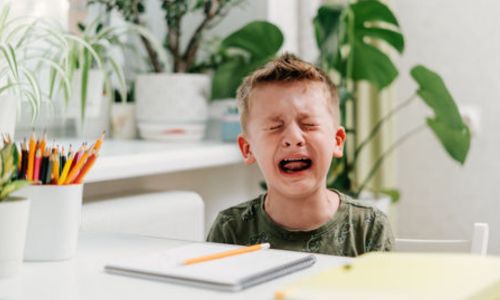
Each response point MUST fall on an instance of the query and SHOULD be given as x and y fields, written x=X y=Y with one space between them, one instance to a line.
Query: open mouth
x=292 y=165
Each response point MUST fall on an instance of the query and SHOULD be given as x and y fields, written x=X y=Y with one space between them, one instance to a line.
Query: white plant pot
x=172 y=107
x=13 y=224
x=54 y=221
x=97 y=109
x=123 y=125
x=8 y=113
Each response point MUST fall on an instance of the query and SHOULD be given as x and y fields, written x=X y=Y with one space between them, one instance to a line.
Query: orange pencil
x=31 y=156
x=20 y=158
x=76 y=169
x=85 y=169
x=36 y=170
x=226 y=254
x=64 y=173
x=98 y=143
x=55 y=167
x=43 y=141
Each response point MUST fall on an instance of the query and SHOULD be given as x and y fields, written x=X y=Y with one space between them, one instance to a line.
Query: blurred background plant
x=240 y=53
x=356 y=43
x=183 y=60
x=94 y=54
x=29 y=48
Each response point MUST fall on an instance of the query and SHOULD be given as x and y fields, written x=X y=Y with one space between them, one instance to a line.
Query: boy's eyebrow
x=278 y=118
x=274 y=118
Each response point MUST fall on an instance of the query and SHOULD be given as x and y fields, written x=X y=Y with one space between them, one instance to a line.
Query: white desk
x=83 y=276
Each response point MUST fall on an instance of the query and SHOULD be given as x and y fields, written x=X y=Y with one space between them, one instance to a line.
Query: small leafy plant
x=9 y=182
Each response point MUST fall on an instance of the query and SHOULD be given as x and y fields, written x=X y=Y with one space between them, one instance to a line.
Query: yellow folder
x=403 y=276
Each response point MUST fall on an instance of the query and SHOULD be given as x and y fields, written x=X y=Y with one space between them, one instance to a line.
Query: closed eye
x=274 y=127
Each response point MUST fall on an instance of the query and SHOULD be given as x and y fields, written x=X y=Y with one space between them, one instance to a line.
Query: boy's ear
x=247 y=154
x=340 y=137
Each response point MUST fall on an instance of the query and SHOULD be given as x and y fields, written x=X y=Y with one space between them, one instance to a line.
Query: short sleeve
x=380 y=237
x=219 y=232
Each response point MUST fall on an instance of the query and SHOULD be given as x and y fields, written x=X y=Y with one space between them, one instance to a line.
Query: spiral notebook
x=232 y=273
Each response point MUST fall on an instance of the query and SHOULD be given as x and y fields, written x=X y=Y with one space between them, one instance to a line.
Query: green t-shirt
x=354 y=229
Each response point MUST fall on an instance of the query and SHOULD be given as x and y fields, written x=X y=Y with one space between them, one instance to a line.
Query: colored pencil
x=36 y=168
x=64 y=174
x=31 y=156
x=226 y=254
x=86 y=168
x=76 y=169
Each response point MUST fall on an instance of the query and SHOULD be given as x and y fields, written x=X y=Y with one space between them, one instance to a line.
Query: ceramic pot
x=172 y=107
x=14 y=213
x=54 y=221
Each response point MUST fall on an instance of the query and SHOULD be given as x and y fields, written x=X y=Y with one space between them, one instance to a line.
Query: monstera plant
x=354 y=43
x=240 y=53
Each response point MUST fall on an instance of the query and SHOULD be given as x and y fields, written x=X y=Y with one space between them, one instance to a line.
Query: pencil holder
x=54 y=221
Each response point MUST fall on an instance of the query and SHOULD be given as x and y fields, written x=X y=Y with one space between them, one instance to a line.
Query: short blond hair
x=285 y=69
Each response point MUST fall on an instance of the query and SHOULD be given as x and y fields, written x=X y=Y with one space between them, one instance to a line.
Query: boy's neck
x=302 y=214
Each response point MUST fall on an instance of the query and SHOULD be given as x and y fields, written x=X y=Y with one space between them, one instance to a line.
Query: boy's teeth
x=294 y=159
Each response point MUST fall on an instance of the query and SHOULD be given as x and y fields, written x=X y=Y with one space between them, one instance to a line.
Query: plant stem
x=153 y=56
x=213 y=9
x=385 y=154
x=379 y=124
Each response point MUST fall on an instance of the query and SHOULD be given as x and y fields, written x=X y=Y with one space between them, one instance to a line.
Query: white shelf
x=125 y=159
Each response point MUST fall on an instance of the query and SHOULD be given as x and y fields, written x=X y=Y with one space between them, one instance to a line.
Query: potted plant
x=352 y=40
x=14 y=212
x=28 y=47
x=92 y=69
x=173 y=106
x=236 y=56
x=123 y=125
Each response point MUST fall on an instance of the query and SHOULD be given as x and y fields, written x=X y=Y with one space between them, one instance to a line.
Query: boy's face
x=291 y=134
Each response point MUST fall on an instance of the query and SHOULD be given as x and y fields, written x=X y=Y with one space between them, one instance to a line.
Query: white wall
x=461 y=41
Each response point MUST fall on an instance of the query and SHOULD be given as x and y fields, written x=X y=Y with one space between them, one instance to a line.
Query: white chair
x=176 y=215
x=478 y=244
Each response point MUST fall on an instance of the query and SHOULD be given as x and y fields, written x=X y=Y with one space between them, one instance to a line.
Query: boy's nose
x=293 y=137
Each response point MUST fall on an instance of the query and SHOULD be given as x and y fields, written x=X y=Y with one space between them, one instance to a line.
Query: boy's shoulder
x=243 y=211
x=362 y=209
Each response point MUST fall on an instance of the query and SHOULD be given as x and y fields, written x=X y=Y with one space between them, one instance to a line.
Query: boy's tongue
x=295 y=165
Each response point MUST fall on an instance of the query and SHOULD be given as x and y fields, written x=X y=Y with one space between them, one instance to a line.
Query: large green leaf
x=455 y=141
x=259 y=38
x=373 y=11
x=326 y=23
x=327 y=32
x=370 y=23
x=256 y=43
x=372 y=65
x=227 y=78
x=393 y=38
x=230 y=74
x=447 y=123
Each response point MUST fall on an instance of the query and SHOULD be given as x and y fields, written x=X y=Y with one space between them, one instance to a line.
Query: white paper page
x=228 y=270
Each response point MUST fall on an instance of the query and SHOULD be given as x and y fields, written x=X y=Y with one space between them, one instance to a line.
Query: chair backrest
x=478 y=244
x=173 y=214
